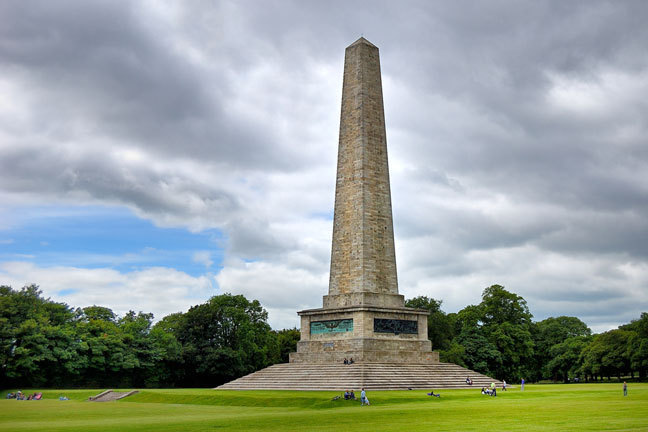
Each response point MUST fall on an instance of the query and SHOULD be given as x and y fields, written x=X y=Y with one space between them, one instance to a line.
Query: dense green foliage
x=44 y=343
x=585 y=407
x=497 y=337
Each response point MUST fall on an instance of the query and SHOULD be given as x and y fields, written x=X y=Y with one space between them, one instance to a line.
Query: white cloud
x=159 y=290
x=204 y=258
x=282 y=290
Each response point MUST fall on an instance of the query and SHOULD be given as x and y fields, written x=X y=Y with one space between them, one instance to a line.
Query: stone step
x=374 y=376
x=111 y=395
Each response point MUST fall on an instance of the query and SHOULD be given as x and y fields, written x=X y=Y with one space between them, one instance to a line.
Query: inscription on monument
x=331 y=326
x=395 y=326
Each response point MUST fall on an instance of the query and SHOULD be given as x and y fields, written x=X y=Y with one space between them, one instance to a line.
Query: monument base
x=366 y=334
x=365 y=351
x=363 y=298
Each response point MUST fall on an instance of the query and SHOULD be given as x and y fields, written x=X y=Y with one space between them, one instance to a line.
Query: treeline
x=497 y=337
x=48 y=344
x=44 y=343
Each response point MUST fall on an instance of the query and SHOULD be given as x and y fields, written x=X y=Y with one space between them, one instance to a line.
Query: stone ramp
x=111 y=395
x=371 y=376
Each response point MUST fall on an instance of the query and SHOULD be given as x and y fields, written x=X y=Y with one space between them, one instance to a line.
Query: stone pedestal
x=367 y=334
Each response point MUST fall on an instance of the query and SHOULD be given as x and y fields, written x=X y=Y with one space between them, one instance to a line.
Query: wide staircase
x=371 y=376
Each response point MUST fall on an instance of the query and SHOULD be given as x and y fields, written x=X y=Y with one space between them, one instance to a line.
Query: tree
x=169 y=370
x=500 y=306
x=109 y=358
x=37 y=340
x=225 y=338
x=551 y=332
x=98 y=313
x=286 y=341
x=440 y=330
x=637 y=350
x=141 y=354
x=479 y=353
x=563 y=358
x=496 y=334
x=607 y=354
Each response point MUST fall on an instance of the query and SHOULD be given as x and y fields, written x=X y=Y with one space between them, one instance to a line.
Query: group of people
x=348 y=362
x=469 y=381
x=350 y=395
x=492 y=391
x=21 y=396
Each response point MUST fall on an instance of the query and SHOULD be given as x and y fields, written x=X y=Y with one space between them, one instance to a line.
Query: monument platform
x=371 y=376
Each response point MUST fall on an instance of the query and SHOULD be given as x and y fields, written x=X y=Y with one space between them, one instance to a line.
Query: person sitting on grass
x=351 y=395
x=347 y=395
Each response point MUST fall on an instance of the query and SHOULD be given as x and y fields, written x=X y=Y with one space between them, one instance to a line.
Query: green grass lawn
x=577 y=407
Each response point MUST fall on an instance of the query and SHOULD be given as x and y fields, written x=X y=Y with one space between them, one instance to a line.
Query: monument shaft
x=363 y=259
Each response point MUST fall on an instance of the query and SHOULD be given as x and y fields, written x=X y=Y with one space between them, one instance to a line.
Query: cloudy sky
x=153 y=154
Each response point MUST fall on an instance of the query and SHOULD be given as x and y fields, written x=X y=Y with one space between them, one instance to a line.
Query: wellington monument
x=363 y=317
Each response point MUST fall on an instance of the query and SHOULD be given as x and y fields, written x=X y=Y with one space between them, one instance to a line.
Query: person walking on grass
x=625 y=389
x=363 y=398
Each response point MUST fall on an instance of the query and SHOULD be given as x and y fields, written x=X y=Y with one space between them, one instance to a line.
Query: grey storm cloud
x=100 y=69
x=516 y=130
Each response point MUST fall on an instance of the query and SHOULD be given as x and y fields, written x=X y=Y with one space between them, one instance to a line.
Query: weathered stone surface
x=362 y=258
x=371 y=376
x=363 y=344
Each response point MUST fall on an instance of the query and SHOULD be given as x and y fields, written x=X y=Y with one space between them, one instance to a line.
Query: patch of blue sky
x=113 y=237
x=323 y=215
x=65 y=292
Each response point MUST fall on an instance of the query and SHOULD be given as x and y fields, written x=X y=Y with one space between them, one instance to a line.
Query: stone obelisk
x=363 y=260
x=363 y=317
